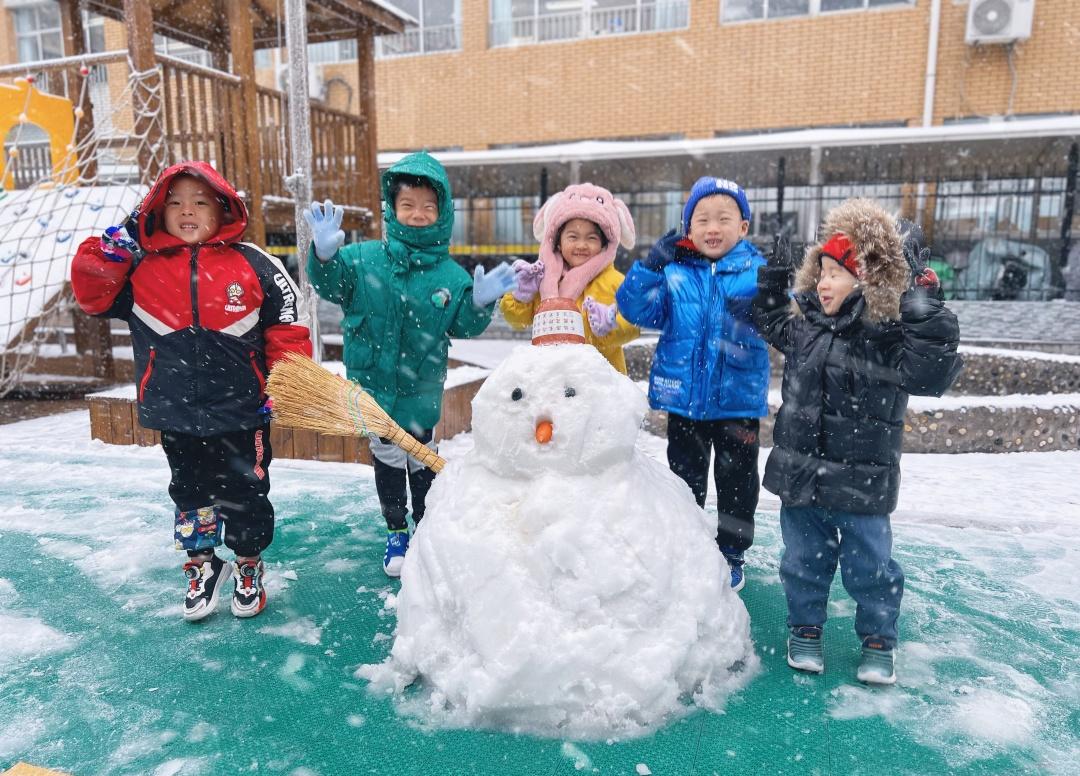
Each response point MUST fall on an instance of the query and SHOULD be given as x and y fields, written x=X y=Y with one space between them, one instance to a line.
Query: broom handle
x=413 y=447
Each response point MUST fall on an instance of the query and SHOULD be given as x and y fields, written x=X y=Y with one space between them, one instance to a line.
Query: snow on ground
x=990 y=641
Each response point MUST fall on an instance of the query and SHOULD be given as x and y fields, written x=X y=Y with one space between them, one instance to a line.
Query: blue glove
x=326 y=233
x=663 y=252
x=118 y=244
x=489 y=287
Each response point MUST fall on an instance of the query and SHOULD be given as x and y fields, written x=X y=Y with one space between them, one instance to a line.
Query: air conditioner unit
x=999 y=21
x=316 y=84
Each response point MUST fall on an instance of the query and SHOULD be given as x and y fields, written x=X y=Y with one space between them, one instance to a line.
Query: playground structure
x=113 y=120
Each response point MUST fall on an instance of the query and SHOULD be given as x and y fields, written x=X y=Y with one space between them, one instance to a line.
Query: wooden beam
x=369 y=162
x=377 y=17
x=139 y=24
x=243 y=57
x=71 y=26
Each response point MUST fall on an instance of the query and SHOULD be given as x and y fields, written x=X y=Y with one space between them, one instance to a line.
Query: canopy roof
x=204 y=23
x=1006 y=149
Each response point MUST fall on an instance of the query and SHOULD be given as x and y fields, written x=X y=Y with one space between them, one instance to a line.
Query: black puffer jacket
x=847 y=377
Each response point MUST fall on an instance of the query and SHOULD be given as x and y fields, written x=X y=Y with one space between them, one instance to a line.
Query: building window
x=439 y=29
x=747 y=10
x=516 y=22
x=37 y=32
x=184 y=51
x=332 y=51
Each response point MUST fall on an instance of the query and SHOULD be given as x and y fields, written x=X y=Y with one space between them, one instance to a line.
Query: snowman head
x=557 y=408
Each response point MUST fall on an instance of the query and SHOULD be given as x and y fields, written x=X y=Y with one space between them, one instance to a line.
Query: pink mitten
x=601 y=316
x=528 y=278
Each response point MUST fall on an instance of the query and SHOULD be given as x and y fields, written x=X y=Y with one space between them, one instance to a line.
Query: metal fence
x=1008 y=237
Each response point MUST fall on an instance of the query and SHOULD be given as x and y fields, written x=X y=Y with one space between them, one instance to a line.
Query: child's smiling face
x=579 y=241
x=716 y=225
x=416 y=206
x=193 y=212
x=834 y=285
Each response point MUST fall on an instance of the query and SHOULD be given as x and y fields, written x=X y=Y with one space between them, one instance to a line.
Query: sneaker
x=804 y=650
x=397 y=542
x=735 y=561
x=206 y=578
x=249 y=597
x=876 y=666
x=738 y=580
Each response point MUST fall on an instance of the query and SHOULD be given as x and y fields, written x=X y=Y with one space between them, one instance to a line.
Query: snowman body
x=571 y=587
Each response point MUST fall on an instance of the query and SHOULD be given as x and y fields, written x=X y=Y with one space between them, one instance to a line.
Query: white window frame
x=38 y=31
x=581 y=22
x=814 y=9
x=415 y=40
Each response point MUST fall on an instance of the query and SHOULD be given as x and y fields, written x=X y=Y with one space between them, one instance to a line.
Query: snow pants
x=691 y=444
x=393 y=468
x=815 y=541
x=232 y=472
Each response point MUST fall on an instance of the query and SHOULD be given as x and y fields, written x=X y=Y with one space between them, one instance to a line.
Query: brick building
x=714 y=86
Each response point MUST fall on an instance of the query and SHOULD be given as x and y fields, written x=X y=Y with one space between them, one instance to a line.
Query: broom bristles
x=308 y=396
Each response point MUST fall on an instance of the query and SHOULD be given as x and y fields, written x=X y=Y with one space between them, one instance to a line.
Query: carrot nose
x=543 y=432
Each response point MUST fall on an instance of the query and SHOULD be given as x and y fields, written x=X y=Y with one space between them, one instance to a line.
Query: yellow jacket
x=602 y=288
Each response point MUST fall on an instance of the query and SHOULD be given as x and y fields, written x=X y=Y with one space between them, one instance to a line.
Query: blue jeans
x=815 y=540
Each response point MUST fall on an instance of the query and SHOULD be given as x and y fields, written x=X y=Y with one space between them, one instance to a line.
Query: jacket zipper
x=703 y=386
x=194 y=284
x=194 y=288
x=146 y=375
x=258 y=373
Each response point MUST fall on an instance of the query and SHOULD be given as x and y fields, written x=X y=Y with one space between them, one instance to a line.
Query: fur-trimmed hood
x=883 y=270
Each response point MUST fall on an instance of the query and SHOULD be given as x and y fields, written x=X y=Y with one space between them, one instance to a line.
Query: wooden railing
x=202 y=110
x=340 y=170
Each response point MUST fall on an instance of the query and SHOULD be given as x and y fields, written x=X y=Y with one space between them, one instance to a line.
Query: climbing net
x=61 y=191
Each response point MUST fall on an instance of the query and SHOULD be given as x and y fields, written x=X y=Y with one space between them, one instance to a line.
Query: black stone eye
x=569 y=392
x=516 y=394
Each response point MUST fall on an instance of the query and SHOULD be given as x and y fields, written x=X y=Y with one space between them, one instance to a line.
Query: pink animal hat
x=593 y=203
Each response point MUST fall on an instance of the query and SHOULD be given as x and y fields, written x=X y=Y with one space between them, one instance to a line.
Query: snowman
x=564 y=583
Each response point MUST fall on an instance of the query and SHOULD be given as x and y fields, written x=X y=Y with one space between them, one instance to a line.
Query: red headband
x=841 y=249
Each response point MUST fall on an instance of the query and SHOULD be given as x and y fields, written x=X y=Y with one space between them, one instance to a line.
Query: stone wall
x=1039 y=408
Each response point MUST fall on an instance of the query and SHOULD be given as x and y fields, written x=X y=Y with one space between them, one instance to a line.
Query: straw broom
x=307 y=396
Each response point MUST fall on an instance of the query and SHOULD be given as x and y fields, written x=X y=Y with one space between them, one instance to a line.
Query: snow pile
x=572 y=588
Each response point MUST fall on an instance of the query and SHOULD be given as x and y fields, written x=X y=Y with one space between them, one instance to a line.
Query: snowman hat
x=557 y=321
x=593 y=203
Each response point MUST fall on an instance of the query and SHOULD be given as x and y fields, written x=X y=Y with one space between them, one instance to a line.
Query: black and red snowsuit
x=207 y=323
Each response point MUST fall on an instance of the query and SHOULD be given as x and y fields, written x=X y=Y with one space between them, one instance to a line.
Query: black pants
x=690 y=444
x=232 y=471
x=390 y=484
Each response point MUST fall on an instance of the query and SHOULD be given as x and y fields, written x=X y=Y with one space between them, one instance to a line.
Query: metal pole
x=299 y=180
x=1070 y=203
x=781 y=174
x=813 y=215
x=543 y=185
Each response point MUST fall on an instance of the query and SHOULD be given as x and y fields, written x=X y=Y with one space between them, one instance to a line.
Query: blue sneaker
x=735 y=560
x=877 y=663
x=738 y=581
x=397 y=542
x=804 y=650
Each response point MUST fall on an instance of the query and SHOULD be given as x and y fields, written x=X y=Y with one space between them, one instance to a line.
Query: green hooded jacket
x=403 y=299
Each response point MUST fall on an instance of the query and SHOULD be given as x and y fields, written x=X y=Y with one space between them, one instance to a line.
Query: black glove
x=663 y=252
x=779 y=256
x=923 y=278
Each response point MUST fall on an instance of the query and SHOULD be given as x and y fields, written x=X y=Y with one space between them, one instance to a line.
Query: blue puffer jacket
x=710 y=362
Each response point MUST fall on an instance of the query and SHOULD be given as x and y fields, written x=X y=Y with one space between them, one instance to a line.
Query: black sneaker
x=206 y=578
x=249 y=598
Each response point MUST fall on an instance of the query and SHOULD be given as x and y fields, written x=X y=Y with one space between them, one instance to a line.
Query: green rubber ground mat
x=99 y=674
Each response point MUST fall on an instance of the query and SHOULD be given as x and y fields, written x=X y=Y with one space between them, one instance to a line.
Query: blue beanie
x=707 y=187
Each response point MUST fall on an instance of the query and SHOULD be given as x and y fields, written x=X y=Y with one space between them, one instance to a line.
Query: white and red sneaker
x=249 y=597
x=206 y=578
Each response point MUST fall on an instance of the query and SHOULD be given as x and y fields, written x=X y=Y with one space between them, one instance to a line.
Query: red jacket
x=207 y=321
